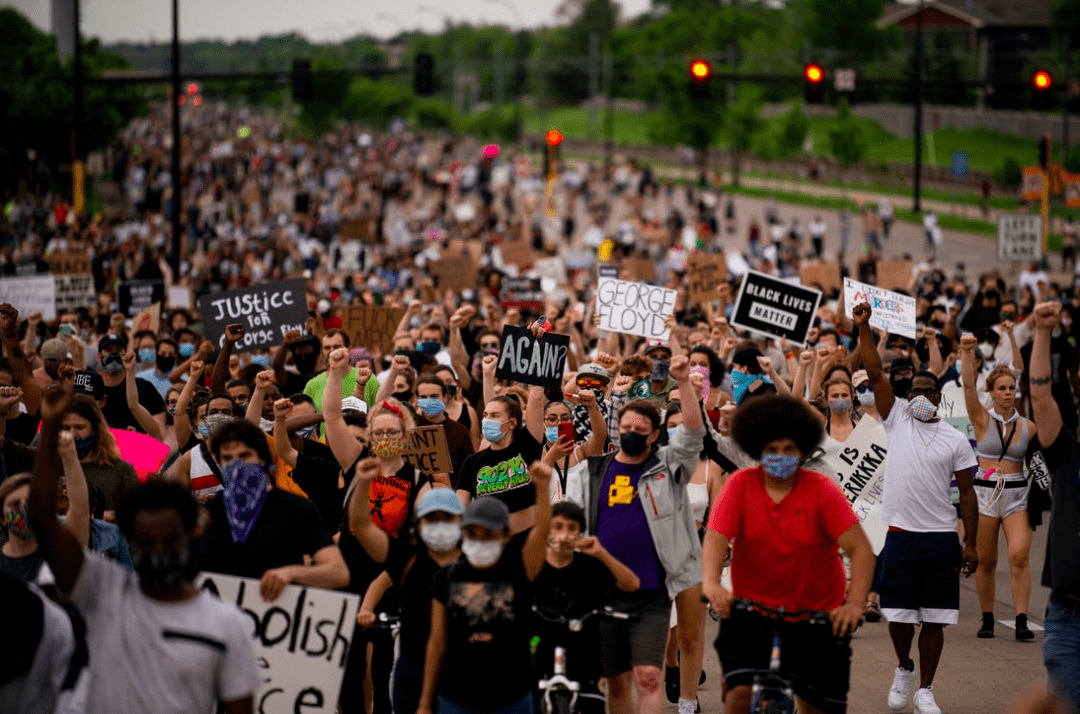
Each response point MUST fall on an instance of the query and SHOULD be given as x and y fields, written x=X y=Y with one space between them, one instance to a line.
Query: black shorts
x=920 y=577
x=817 y=662
x=639 y=641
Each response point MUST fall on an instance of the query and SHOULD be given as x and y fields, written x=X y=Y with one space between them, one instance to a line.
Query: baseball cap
x=112 y=339
x=89 y=382
x=354 y=404
x=487 y=512
x=860 y=377
x=593 y=370
x=901 y=363
x=54 y=349
x=444 y=500
x=653 y=345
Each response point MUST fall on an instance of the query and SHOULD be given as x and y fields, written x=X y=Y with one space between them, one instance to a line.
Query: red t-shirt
x=785 y=554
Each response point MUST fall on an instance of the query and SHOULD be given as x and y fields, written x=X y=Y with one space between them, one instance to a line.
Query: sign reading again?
x=634 y=308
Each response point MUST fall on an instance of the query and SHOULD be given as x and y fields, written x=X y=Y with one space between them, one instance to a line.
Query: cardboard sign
x=1020 y=237
x=267 y=311
x=454 y=272
x=348 y=257
x=148 y=319
x=775 y=307
x=68 y=263
x=640 y=269
x=858 y=466
x=827 y=275
x=1031 y=186
x=30 y=294
x=135 y=296
x=894 y=274
x=179 y=296
x=704 y=272
x=357 y=229
x=428 y=450
x=526 y=359
x=74 y=291
x=519 y=253
x=371 y=326
x=634 y=308
x=892 y=312
x=301 y=640
x=522 y=293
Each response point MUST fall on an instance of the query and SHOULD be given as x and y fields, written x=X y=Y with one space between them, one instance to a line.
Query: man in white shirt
x=919 y=582
x=155 y=642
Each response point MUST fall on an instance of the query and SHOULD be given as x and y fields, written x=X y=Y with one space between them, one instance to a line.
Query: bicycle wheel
x=560 y=703
x=777 y=705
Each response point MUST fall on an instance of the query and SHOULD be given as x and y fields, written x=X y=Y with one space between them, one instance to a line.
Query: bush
x=493 y=124
x=377 y=102
x=431 y=114
x=1009 y=174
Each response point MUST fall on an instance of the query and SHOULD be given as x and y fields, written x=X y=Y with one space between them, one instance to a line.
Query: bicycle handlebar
x=819 y=617
x=575 y=623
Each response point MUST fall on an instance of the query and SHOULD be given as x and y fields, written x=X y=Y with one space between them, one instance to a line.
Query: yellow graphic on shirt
x=620 y=493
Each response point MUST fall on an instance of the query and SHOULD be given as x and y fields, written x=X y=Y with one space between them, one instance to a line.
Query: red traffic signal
x=193 y=88
x=699 y=69
x=1042 y=80
x=554 y=137
x=814 y=73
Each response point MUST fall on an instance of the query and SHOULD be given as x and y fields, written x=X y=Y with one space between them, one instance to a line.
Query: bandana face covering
x=922 y=408
x=641 y=389
x=245 y=495
x=17 y=523
x=740 y=382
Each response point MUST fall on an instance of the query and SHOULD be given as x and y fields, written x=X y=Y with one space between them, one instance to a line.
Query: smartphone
x=566 y=431
x=66 y=331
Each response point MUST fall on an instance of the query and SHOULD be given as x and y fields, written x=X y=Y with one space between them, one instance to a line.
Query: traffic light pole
x=78 y=151
x=174 y=253
x=1065 y=110
x=920 y=71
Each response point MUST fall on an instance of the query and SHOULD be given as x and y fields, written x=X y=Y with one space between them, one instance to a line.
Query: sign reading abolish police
x=634 y=308
x=267 y=311
x=1020 y=238
x=775 y=307
x=526 y=359
x=301 y=640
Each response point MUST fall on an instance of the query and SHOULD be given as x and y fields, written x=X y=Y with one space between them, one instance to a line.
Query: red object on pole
x=814 y=73
x=554 y=137
x=699 y=69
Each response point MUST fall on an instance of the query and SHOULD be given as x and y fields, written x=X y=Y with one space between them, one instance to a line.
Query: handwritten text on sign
x=301 y=641
x=526 y=359
x=634 y=308
x=1020 y=238
x=892 y=312
x=371 y=326
x=428 y=450
x=266 y=311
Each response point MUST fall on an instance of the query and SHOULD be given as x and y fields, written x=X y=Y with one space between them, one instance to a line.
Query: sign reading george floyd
x=428 y=450
x=301 y=641
x=634 y=308
x=775 y=307
x=267 y=311
x=526 y=359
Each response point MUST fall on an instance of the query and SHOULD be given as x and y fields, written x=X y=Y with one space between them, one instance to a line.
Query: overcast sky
x=321 y=20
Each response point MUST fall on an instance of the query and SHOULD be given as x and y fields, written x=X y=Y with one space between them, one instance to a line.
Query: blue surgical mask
x=780 y=466
x=551 y=433
x=430 y=348
x=671 y=433
x=186 y=349
x=492 y=429
x=261 y=360
x=147 y=355
x=431 y=406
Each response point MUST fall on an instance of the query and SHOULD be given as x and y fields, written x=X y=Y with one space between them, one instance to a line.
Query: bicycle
x=560 y=693
x=771 y=692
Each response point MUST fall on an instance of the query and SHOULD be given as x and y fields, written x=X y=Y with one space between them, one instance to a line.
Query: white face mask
x=440 y=537
x=866 y=398
x=481 y=553
x=986 y=350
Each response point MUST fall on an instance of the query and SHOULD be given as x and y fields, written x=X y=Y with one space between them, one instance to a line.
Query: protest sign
x=522 y=293
x=267 y=311
x=827 y=275
x=347 y=257
x=634 y=308
x=858 y=466
x=704 y=272
x=640 y=269
x=1020 y=237
x=775 y=307
x=301 y=640
x=371 y=326
x=179 y=296
x=68 y=263
x=526 y=359
x=358 y=228
x=428 y=450
x=148 y=319
x=893 y=274
x=892 y=312
x=518 y=252
x=73 y=291
x=31 y=294
x=454 y=272
x=134 y=296
x=607 y=270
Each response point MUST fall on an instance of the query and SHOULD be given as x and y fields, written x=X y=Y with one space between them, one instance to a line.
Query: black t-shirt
x=22 y=428
x=1064 y=360
x=570 y=592
x=319 y=479
x=294 y=383
x=503 y=473
x=487 y=664
x=412 y=571
x=458 y=442
x=288 y=528
x=116 y=411
x=1061 y=568
x=24 y=569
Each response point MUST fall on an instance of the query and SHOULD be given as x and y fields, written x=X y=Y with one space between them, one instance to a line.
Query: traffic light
x=699 y=79
x=193 y=88
x=303 y=87
x=423 y=74
x=551 y=155
x=1044 y=150
x=814 y=83
x=1041 y=90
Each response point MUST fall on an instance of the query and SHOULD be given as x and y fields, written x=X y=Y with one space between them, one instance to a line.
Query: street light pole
x=174 y=257
x=78 y=151
x=920 y=71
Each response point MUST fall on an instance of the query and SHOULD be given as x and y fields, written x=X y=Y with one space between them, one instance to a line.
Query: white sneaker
x=924 y=702
x=900 y=691
x=686 y=706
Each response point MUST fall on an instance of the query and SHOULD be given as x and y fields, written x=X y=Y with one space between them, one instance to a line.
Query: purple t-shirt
x=623 y=529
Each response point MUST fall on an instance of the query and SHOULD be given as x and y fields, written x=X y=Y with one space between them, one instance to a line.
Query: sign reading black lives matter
x=526 y=359
x=134 y=296
x=267 y=311
x=775 y=307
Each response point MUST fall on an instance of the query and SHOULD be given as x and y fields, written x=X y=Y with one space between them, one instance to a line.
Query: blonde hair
x=1002 y=370
x=394 y=408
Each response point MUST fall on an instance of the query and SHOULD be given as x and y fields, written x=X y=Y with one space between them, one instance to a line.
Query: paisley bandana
x=740 y=382
x=245 y=495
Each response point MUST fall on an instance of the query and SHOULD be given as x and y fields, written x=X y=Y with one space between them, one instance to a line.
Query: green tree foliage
x=376 y=102
x=846 y=26
x=697 y=123
x=743 y=126
x=847 y=138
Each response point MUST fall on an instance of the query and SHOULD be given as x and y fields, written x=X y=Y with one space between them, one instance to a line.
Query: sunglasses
x=590 y=383
x=863 y=389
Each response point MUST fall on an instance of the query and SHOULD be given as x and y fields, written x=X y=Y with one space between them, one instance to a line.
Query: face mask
x=901 y=387
x=54 y=373
x=403 y=397
x=551 y=433
x=780 y=466
x=307 y=432
x=147 y=355
x=213 y=421
x=633 y=443
x=429 y=348
x=204 y=431
x=261 y=360
x=671 y=433
x=481 y=553
x=83 y=445
x=840 y=405
x=660 y=370
x=17 y=523
x=492 y=430
x=866 y=399
x=113 y=363
x=305 y=363
x=166 y=363
x=245 y=494
x=640 y=389
x=451 y=390
x=440 y=537
x=431 y=406
x=161 y=570
x=186 y=349
x=241 y=407
x=171 y=410
x=986 y=350
x=387 y=448
x=414 y=323
x=922 y=408
x=564 y=544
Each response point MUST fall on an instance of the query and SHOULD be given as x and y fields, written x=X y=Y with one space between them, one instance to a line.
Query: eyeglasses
x=555 y=420
x=386 y=434
x=489 y=345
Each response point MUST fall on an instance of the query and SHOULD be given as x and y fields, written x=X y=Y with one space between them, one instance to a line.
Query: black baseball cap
x=112 y=339
x=89 y=382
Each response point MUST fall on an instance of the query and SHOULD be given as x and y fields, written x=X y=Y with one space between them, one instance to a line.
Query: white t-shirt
x=147 y=655
x=923 y=456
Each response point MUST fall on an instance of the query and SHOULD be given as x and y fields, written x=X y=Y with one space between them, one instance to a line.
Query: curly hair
x=636 y=364
x=775 y=416
x=156 y=496
x=1002 y=370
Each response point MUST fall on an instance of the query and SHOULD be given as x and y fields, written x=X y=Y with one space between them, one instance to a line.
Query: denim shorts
x=1061 y=649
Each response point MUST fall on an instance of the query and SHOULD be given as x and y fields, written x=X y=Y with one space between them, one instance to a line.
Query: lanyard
x=1000 y=429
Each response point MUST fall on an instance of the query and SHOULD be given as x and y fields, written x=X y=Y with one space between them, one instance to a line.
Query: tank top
x=203 y=472
x=699 y=497
x=1004 y=433
x=463 y=418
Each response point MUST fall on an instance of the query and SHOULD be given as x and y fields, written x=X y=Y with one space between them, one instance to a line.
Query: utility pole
x=920 y=72
x=174 y=254
x=594 y=80
x=1065 y=111
x=609 y=144
x=78 y=150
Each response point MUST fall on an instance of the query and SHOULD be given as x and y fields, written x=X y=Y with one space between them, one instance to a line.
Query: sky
x=319 y=20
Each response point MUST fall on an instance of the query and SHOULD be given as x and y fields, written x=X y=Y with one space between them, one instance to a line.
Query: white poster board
x=892 y=312
x=33 y=293
x=301 y=641
x=1020 y=237
x=634 y=308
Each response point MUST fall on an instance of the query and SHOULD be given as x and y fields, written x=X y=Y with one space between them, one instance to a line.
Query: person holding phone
x=561 y=449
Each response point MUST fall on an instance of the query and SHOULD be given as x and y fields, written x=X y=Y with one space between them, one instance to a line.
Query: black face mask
x=901 y=387
x=305 y=363
x=165 y=363
x=162 y=570
x=402 y=397
x=451 y=390
x=633 y=443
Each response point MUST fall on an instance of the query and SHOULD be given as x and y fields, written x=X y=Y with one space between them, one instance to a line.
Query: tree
x=743 y=126
x=847 y=26
x=696 y=123
x=794 y=125
x=847 y=137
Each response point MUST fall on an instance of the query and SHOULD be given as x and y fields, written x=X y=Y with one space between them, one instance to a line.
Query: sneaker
x=986 y=630
x=900 y=691
x=924 y=702
x=872 y=612
x=1023 y=632
x=686 y=706
x=671 y=684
